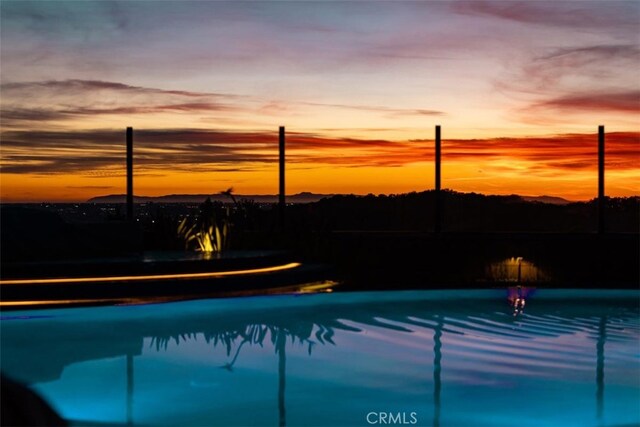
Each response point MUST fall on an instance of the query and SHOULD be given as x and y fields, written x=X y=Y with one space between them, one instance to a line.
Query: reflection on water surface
x=453 y=358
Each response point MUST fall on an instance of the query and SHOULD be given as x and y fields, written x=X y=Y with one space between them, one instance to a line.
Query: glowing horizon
x=519 y=90
x=379 y=167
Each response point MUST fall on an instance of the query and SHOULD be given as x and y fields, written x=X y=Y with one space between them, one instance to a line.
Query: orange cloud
x=184 y=160
x=191 y=149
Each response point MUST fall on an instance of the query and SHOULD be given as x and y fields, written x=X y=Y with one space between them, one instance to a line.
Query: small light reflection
x=316 y=287
x=517 y=297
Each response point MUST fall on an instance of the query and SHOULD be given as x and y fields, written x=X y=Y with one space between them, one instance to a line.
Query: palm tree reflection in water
x=602 y=337
x=437 y=368
x=281 y=342
x=302 y=332
x=306 y=325
x=256 y=334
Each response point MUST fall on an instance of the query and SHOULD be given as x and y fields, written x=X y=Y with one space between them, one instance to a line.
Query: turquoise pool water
x=427 y=358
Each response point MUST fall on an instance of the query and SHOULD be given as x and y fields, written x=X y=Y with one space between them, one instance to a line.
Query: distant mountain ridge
x=304 y=197
x=546 y=199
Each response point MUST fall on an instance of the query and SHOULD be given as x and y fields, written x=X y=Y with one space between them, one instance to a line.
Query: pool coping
x=140 y=280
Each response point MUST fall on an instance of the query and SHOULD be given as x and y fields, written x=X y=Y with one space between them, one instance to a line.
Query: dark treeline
x=462 y=212
x=85 y=230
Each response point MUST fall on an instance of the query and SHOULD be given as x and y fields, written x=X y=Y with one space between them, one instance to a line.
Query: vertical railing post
x=281 y=196
x=438 y=201
x=602 y=337
x=129 y=174
x=281 y=343
x=129 y=389
x=437 y=371
x=601 y=198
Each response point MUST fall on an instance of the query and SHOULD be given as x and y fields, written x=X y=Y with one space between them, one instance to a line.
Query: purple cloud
x=619 y=102
x=593 y=15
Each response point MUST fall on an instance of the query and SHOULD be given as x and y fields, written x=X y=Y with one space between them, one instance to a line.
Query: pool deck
x=359 y=260
x=423 y=260
x=154 y=277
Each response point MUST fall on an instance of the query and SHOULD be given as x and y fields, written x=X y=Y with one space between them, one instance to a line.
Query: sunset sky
x=519 y=89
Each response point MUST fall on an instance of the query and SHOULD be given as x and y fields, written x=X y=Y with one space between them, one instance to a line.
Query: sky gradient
x=519 y=89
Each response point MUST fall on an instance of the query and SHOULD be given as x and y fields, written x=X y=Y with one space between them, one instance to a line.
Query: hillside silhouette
x=85 y=230
x=304 y=197
x=462 y=212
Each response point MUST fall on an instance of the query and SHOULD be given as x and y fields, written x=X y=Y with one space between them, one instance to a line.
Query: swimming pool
x=428 y=358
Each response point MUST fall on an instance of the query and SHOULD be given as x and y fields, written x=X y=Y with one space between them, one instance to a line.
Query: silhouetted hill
x=546 y=199
x=463 y=212
x=304 y=197
x=49 y=231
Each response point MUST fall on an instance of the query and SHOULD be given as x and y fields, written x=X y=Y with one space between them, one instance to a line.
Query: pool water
x=427 y=358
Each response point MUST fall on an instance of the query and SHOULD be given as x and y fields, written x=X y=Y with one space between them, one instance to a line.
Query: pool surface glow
x=441 y=358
